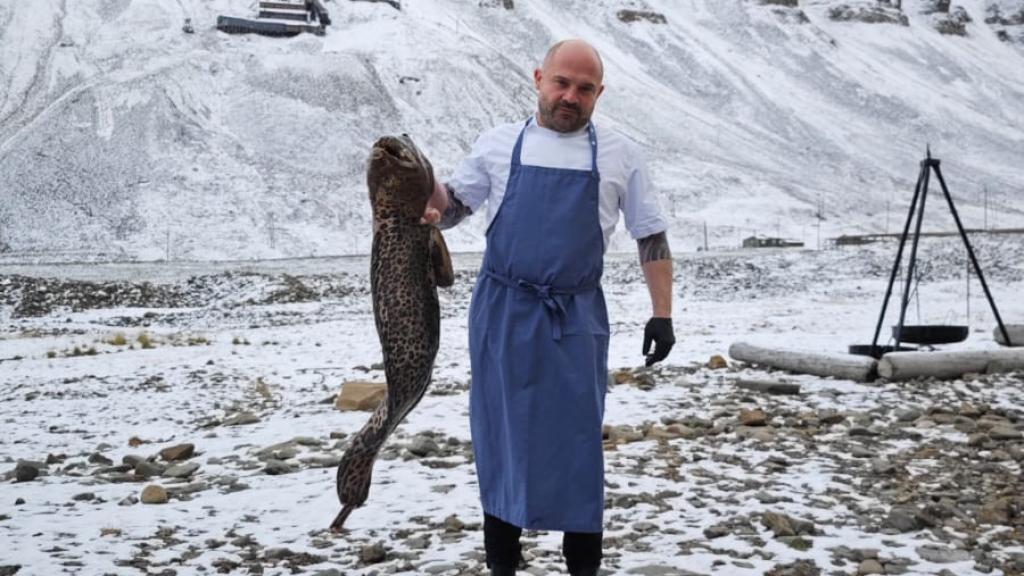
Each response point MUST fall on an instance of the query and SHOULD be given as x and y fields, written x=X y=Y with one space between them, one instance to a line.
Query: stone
x=779 y=524
x=640 y=377
x=119 y=469
x=907 y=415
x=976 y=440
x=761 y=434
x=373 y=553
x=154 y=494
x=858 y=451
x=25 y=472
x=798 y=568
x=357 y=395
x=623 y=376
x=418 y=542
x=423 y=446
x=717 y=531
x=902 y=520
x=241 y=419
x=445 y=568
x=717 y=362
x=97 y=458
x=797 y=542
x=755 y=417
x=453 y=524
x=277 y=467
x=279 y=451
x=322 y=461
x=670 y=432
x=185 y=489
x=970 y=410
x=1001 y=510
x=660 y=570
x=1004 y=433
x=183 y=470
x=768 y=387
x=870 y=566
x=941 y=555
x=621 y=434
x=645 y=527
x=146 y=469
x=177 y=453
x=132 y=460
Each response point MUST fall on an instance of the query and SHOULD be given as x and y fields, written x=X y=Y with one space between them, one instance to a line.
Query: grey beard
x=548 y=117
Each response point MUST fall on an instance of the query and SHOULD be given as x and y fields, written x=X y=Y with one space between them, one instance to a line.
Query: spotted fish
x=408 y=262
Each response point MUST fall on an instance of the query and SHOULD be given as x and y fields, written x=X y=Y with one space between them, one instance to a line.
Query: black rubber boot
x=503 y=570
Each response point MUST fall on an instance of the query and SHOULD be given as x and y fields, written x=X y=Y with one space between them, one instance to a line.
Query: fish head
x=399 y=177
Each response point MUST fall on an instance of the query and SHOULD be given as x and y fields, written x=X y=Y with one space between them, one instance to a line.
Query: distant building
x=857 y=240
x=769 y=242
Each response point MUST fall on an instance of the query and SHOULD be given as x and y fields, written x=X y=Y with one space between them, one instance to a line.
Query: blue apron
x=538 y=342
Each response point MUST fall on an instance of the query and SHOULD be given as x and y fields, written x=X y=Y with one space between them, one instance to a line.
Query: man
x=538 y=325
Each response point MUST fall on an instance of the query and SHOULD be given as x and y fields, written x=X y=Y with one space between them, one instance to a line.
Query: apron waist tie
x=546 y=293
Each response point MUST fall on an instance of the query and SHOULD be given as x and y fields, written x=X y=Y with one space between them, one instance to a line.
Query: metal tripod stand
x=928 y=165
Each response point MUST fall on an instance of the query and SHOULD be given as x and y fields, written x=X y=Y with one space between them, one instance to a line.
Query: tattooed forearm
x=456 y=211
x=654 y=247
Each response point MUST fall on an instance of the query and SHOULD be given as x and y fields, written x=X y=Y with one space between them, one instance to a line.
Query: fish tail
x=339 y=520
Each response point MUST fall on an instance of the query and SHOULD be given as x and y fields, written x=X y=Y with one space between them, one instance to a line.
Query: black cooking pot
x=876 y=352
x=930 y=334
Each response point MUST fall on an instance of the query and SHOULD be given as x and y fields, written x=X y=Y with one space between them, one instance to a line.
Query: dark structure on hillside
x=280 y=18
x=769 y=242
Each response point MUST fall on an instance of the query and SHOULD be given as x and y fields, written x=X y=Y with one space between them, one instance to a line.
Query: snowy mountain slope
x=121 y=136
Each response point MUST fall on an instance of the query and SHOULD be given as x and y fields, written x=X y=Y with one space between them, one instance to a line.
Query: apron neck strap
x=591 y=137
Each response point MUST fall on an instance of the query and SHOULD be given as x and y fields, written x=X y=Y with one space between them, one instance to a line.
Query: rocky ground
x=156 y=424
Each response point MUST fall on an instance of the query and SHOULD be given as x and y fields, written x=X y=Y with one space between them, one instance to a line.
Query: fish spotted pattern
x=409 y=261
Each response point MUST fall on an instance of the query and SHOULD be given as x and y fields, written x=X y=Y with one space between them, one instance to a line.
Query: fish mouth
x=398 y=150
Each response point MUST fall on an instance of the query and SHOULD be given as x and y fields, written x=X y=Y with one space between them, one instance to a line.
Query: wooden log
x=844 y=366
x=947 y=365
x=1016 y=334
x=768 y=386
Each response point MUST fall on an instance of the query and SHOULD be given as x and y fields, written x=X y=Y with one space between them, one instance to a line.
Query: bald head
x=575 y=48
x=568 y=82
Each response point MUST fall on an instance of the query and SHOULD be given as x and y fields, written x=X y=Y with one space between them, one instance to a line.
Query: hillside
x=123 y=137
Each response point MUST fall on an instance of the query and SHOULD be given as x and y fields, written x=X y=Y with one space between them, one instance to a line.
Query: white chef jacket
x=625 y=184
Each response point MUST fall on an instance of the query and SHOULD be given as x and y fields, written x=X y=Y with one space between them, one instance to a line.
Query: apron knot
x=555 y=307
x=549 y=295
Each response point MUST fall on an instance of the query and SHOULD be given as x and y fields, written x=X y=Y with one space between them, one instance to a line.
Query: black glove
x=659 y=331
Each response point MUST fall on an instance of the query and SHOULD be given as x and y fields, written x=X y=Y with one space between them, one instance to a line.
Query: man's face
x=568 y=87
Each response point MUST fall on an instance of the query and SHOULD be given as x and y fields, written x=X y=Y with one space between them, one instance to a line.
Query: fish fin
x=441 y=260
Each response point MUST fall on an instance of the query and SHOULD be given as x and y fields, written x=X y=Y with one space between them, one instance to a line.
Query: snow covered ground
x=243 y=361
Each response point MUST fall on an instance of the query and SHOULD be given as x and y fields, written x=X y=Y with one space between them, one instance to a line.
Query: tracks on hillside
x=21 y=115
